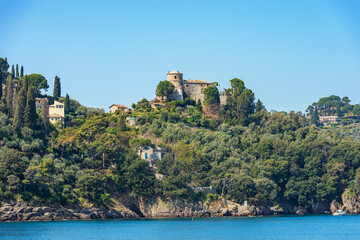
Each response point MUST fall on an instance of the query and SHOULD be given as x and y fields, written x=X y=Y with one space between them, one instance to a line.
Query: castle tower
x=176 y=78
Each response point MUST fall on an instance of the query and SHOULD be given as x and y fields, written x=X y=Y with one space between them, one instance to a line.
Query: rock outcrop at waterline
x=24 y=212
x=134 y=209
x=157 y=208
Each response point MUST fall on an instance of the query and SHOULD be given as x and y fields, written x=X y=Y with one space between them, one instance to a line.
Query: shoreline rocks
x=158 y=208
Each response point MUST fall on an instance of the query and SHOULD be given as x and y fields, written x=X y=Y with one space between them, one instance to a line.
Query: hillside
x=246 y=154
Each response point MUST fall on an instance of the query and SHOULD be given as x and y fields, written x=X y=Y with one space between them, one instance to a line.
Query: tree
x=356 y=110
x=121 y=124
x=241 y=110
x=38 y=81
x=92 y=185
x=1 y=86
x=57 y=88
x=4 y=66
x=11 y=164
x=239 y=102
x=20 y=108
x=21 y=71
x=17 y=71
x=211 y=96
x=45 y=115
x=199 y=105
x=30 y=110
x=9 y=95
x=67 y=104
x=164 y=89
x=13 y=71
x=346 y=100
x=259 y=106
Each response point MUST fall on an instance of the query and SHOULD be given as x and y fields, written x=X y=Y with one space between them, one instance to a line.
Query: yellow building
x=56 y=112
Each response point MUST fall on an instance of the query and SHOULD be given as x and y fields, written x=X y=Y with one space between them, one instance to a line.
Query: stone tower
x=176 y=78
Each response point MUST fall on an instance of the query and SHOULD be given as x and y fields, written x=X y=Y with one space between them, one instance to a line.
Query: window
x=146 y=156
x=156 y=155
x=162 y=155
x=175 y=77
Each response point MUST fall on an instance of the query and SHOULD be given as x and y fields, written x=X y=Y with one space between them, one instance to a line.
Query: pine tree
x=17 y=71
x=20 y=108
x=45 y=115
x=13 y=71
x=21 y=71
x=57 y=88
x=9 y=94
x=67 y=104
x=30 y=111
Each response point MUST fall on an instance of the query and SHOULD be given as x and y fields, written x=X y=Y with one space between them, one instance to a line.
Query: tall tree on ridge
x=30 y=111
x=259 y=106
x=20 y=107
x=1 y=88
x=57 y=88
x=67 y=104
x=9 y=94
x=17 y=71
x=21 y=71
x=13 y=71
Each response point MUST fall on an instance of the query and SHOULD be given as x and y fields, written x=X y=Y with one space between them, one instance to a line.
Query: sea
x=313 y=227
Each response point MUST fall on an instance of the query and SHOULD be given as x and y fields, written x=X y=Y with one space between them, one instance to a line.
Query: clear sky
x=290 y=53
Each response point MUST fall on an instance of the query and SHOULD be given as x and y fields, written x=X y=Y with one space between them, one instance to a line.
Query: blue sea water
x=275 y=227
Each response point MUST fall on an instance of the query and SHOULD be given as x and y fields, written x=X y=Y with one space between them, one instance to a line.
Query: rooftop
x=175 y=71
x=194 y=81
x=55 y=115
x=118 y=105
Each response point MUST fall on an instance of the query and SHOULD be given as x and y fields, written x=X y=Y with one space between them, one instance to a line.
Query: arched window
x=175 y=77
x=146 y=156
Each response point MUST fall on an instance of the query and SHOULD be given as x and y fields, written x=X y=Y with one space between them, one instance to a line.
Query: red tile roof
x=119 y=106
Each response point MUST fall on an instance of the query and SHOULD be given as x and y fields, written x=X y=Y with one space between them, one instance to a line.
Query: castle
x=193 y=89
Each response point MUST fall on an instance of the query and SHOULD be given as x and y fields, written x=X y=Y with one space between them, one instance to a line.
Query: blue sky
x=290 y=53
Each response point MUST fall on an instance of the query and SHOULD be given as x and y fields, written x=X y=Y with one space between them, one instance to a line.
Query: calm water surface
x=281 y=227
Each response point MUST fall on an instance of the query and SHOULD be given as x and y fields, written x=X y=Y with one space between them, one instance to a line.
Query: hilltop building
x=191 y=88
x=121 y=108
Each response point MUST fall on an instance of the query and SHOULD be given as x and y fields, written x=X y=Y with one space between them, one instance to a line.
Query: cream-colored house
x=119 y=107
x=57 y=112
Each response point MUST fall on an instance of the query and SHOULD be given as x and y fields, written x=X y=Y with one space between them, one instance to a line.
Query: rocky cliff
x=153 y=208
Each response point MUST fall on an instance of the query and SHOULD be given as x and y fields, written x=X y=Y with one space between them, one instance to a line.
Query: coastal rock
x=300 y=210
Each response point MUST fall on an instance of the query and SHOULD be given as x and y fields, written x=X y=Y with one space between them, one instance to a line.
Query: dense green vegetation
x=244 y=153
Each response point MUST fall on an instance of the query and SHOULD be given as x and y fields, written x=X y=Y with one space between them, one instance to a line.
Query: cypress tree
x=45 y=115
x=17 y=71
x=67 y=104
x=13 y=71
x=259 y=106
x=199 y=105
x=57 y=88
x=121 y=124
x=30 y=111
x=1 y=88
x=20 y=108
x=21 y=71
x=9 y=95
